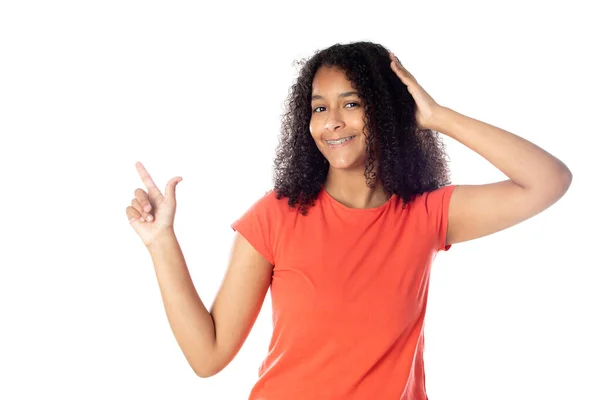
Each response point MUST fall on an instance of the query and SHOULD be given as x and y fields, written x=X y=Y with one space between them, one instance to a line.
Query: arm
x=209 y=341
x=537 y=179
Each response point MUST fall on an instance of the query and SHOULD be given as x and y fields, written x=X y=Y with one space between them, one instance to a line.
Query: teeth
x=339 y=140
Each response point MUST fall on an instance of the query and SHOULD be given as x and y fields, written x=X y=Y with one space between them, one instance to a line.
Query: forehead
x=330 y=79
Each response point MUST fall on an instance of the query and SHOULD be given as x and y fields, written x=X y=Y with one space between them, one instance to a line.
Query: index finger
x=153 y=190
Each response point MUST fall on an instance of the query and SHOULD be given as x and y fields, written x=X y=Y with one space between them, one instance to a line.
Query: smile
x=339 y=142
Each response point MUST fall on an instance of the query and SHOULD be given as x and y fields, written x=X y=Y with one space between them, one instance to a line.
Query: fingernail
x=149 y=217
x=147 y=207
x=132 y=219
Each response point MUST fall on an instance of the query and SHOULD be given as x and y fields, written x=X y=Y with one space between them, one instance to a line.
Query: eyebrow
x=344 y=94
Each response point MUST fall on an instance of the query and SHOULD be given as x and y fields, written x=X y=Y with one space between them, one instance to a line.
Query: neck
x=349 y=187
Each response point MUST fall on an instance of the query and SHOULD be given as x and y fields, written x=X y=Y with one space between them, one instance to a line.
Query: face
x=337 y=113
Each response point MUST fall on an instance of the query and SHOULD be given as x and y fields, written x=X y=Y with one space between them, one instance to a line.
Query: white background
x=89 y=88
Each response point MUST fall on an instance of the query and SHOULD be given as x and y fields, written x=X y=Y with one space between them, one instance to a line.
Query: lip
x=335 y=146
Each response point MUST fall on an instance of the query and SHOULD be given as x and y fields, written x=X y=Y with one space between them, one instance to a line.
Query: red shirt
x=349 y=294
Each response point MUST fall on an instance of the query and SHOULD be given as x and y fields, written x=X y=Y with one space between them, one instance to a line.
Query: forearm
x=190 y=321
x=523 y=162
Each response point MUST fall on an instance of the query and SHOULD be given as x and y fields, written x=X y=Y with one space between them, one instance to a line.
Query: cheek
x=312 y=127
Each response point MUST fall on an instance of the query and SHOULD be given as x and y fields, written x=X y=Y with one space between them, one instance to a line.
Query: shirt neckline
x=341 y=206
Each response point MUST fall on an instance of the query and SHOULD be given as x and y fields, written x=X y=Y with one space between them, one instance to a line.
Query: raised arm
x=210 y=340
x=537 y=179
x=238 y=301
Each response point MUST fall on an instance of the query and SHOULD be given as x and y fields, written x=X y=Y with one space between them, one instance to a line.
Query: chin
x=346 y=164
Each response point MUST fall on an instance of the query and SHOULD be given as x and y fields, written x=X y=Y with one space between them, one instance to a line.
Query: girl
x=345 y=240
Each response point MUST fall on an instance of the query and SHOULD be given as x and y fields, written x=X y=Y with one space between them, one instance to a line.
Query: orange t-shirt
x=349 y=294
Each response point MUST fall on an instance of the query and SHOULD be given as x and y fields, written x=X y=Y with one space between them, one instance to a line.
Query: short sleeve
x=437 y=203
x=257 y=225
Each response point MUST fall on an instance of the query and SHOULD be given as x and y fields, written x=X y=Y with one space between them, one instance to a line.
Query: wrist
x=166 y=237
x=440 y=119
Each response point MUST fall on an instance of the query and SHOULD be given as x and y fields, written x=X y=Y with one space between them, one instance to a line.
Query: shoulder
x=269 y=204
x=431 y=201
x=269 y=199
x=430 y=205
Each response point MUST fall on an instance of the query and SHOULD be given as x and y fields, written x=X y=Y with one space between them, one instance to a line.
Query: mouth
x=340 y=142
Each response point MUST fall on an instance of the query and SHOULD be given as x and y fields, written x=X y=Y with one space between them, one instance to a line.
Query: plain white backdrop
x=89 y=88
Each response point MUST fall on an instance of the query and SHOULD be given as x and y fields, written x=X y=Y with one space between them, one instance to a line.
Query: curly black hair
x=410 y=160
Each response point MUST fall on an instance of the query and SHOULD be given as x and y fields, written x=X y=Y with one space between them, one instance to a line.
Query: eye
x=315 y=110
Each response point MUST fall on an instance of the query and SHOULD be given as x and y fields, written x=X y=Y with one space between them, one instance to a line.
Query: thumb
x=170 y=189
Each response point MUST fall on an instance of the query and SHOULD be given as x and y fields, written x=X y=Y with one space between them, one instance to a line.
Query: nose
x=333 y=121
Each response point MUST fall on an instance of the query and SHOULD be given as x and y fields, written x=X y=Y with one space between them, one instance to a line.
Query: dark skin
x=210 y=340
x=336 y=114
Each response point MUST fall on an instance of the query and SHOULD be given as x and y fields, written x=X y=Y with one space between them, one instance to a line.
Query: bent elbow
x=203 y=373
x=206 y=371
